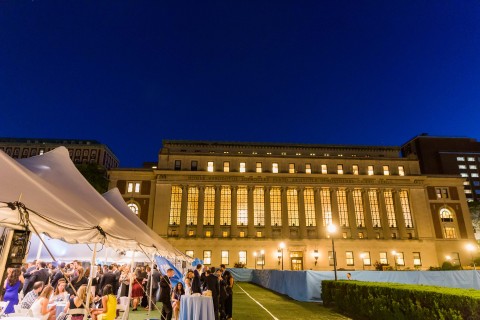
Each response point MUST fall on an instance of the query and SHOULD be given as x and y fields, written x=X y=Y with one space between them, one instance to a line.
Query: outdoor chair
x=122 y=308
x=70 y=312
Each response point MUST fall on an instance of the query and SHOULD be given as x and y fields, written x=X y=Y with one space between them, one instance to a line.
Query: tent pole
x=132 y=276
x=151 y=287
x=40 y=247
x=106 y=256
x=90 y=278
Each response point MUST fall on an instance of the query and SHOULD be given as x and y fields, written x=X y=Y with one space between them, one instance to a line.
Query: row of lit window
x=470 y=159
x=365 y=258
x=292 y=168
x=292 y=195
x=312 y=154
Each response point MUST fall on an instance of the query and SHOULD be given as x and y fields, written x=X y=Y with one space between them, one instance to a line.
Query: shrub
x=374 y=300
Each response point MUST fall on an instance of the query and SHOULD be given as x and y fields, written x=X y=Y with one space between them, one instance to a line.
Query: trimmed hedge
x=382 y=300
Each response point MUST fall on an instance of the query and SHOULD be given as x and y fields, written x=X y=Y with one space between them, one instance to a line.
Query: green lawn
x=281 y=307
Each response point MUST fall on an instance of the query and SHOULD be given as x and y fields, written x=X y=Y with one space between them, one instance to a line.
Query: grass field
x=245 y=306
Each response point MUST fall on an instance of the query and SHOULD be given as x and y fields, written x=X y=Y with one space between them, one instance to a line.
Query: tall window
x=386 y=171
x=242 y=206
x=400 y=259
x=358 y=203
x=189 y=253
x=342 y=207
x=207 y=257
x=292 y=206
x=446 y=215
x=291 y=168
x=226 y=166
x=259 y=206
x=370 y=171
x=258 y=167
x=339 y=168
x=308 y=168
x=330 y=258
x=242 y=257
x=355 y=169
x=326 y=206
x=407 y=215
x=175 y=205
x=350 y=260
x=225 y=257
x=450 y=233
x=392 y=222
x=374 y=210
x=210 y=166
x=274 y=167
x=417 y=260
x=194 y=165
x=209 y=206
x=309 y=201
x=401 y=171
x=383 y=258
x=242 y=166
x=324 y=169
x=225 y=206
x=276 y=206
x=366 y=258
x=178 y=165
x=442 y=193
x=133 y=187
x=192 y=206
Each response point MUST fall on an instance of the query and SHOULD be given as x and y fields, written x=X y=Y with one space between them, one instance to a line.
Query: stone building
x=268 y=205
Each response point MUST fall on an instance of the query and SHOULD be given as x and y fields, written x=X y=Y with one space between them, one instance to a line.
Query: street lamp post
x=282 y=246
x=332 y=229
x=394 y=253
x=262 y=252
x=362 y=256
x=255 y=255
x=471 y=248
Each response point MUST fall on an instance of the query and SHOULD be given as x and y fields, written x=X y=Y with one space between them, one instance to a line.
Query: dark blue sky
x=131 y=73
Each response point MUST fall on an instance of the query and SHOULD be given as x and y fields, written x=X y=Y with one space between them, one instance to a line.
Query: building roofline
x=427 y=136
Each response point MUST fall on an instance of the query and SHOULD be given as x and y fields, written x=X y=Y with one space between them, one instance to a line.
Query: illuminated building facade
x=237 y=202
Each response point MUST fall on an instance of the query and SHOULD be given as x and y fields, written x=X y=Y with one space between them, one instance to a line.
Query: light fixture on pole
x=315 y=255
x=255 y=255
x=262 y=252
x=470 y=247
x=280 y=253
x=394 y=253
x=331 y=230
x=362 y=256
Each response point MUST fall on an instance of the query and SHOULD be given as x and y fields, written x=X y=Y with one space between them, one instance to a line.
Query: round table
x=196 y=308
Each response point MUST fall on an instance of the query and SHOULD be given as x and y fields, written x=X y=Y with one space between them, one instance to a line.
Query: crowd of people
x=37 y=286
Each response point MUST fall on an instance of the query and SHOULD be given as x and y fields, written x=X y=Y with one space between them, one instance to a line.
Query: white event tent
x=49 y=194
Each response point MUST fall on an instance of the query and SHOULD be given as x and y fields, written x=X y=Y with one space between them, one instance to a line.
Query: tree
x=474 y=208
x=95 y=174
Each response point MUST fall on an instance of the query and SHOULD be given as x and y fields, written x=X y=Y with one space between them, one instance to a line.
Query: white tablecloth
x=196 y=308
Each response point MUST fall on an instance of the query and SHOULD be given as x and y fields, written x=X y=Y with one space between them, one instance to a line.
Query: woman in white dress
x=188 y=282
x=40 y=307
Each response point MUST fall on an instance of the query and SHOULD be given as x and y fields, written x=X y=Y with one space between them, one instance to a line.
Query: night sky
x=131 y=73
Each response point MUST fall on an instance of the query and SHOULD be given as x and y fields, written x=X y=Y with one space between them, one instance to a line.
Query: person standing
x=228 y=278
x=196 y=282
x=153 y=279
x=12 y=286
x=212 y=283
x=28 y=284
x=165 y=295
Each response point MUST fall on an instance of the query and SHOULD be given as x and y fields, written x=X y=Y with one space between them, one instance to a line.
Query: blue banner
x=163 y=265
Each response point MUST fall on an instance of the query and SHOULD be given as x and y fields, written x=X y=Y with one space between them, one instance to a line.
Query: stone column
x=399 y=214
x=233 y=229
x=183 y=212
x=383 y=215
x=201 y=200
x=285 y=226
x=319 y=214
x=334 y=204
x=251 y=218
x=368 y=215
x=301 y=214
x=216 y=228
x=352 y=220
x=268 y=213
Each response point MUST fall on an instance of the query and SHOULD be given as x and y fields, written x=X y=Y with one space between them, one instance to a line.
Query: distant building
x=232 y=202
x=81 y=151
x=448 y=156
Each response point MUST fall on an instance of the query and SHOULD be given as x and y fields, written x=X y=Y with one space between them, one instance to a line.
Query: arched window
x=134 y=208
x=446 y=215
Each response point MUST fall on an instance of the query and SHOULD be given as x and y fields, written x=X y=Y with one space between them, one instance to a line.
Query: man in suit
x=166 y=294
x=212 y=283
x=28 y=285
x=41 y=274
x=109 y=278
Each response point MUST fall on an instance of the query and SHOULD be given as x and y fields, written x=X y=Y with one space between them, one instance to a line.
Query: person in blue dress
x=13 y=285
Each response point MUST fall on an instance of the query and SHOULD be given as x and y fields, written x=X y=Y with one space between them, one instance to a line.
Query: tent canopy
x=63 y=205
